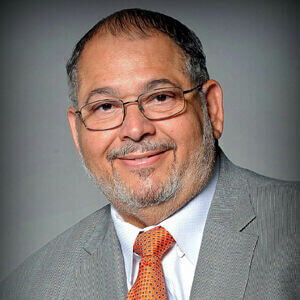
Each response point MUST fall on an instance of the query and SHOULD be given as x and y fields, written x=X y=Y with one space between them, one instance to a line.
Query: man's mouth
x=145 y=159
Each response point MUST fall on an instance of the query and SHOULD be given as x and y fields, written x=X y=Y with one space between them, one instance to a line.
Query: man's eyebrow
x=155 y=83
x=106 y=90
x=109 y=91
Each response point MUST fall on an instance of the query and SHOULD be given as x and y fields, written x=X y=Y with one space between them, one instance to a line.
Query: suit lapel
x=226 y=251
x=101 y=272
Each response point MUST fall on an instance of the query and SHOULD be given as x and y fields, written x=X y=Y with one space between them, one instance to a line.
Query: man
x=145 y=119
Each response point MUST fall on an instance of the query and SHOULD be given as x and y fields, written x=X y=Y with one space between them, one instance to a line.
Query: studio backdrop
x=252 y=50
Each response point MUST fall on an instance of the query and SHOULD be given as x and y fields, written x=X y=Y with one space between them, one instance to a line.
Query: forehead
x=111 y=60
x=104 y=47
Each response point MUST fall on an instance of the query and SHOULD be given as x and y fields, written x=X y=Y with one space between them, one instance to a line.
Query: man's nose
x=135 y=125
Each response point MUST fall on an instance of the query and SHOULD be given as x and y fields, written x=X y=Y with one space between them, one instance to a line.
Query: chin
x=142 y=193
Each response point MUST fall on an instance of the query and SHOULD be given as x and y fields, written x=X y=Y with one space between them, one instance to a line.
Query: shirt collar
x=187 y=225
x=188 y=235
x=127 y=234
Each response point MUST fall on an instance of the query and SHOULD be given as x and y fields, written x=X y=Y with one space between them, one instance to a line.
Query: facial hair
x=197 y=169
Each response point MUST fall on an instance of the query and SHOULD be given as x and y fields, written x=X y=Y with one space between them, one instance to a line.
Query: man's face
x=142 y=162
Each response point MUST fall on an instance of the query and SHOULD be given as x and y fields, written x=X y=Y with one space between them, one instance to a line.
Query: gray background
x=251 y=50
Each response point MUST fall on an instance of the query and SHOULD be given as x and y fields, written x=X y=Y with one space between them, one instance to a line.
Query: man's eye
x=161 y=97
x=105 y=107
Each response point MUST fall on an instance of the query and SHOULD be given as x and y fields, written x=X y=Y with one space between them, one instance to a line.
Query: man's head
x=145 y=166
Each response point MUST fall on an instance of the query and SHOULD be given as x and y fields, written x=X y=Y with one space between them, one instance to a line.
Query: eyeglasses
x=158 y=104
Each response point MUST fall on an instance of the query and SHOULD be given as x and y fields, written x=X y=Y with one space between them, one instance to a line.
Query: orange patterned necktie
x=151 y=246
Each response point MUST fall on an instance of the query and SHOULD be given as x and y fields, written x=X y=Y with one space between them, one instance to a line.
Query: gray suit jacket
x=248 y=249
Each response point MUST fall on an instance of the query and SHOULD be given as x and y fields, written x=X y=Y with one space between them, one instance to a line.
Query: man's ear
x=72 y=118
x=214 y=97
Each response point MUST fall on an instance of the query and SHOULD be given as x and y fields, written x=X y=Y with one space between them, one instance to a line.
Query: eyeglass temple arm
x=199 y=86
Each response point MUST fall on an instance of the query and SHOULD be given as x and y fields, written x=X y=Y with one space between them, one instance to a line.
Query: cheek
x=186 y=132
x=188 y=127
x=191 y=140
x=95 y=144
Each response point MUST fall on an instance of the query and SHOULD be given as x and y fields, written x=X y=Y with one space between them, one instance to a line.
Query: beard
x=197 y=169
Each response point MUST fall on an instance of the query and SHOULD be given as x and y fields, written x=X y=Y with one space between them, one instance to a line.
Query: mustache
x=141 y=147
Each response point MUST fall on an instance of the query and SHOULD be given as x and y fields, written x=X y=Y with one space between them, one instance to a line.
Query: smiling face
x=142 y=162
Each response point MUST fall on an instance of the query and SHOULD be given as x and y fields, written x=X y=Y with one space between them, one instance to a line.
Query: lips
x=145 y=159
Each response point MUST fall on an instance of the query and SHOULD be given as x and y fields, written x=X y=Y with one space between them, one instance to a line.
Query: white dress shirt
x=186 y=226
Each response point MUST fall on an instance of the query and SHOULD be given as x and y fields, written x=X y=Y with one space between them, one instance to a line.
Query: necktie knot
x=154 y=242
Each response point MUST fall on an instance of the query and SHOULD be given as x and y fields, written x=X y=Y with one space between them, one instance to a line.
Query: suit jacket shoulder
x=249 y=244
x=273 y=273
x=50 y=272
x=274 y=201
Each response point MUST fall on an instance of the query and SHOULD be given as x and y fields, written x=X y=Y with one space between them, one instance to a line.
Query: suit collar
x=226 y=250
x=231 y=205
x=99 y=233
x=102 y=265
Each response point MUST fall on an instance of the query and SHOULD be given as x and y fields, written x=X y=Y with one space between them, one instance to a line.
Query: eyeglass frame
x=141 y=109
